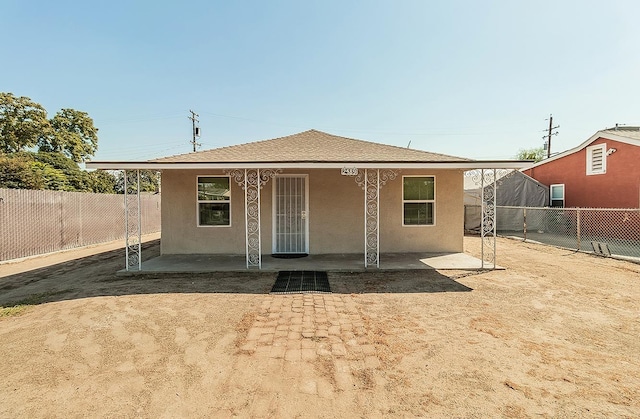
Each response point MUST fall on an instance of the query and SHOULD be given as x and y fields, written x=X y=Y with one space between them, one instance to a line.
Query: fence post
x=524 y=223
x=578 y=227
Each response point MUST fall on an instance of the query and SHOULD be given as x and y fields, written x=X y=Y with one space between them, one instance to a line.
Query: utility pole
x=195 y=130
x=549 y=134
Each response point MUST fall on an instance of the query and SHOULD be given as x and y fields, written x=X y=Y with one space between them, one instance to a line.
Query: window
x=418 y=200
x=597 y=159
x=557 y=195
x=214 y=201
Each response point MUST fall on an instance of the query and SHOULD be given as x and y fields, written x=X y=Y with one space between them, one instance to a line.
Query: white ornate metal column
x=489 y=180
x=132 y=220
x=488 y=224
x=252 y=181
x=371 y=181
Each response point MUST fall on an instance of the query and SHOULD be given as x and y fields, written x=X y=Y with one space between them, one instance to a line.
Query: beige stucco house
x=311 y=193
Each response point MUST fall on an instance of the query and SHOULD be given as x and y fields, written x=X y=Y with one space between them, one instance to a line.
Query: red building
x=602 y=172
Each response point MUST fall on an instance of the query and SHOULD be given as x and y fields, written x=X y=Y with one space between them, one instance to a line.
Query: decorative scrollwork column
x=488 y=221
x=132 y=220
x=371 y=181
x=489 y=180
x=252 y=181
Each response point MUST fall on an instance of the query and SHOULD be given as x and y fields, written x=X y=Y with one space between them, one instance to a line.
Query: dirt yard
x=556 y=334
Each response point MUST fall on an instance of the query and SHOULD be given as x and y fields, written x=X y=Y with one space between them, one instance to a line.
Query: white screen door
x=290 y=226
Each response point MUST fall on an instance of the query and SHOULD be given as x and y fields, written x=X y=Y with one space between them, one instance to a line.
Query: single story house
x=602 y=172
x=309 y=193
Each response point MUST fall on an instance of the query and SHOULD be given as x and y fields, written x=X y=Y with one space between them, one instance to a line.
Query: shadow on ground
x=95 y=276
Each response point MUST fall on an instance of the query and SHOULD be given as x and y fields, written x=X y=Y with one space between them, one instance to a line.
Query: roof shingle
x=627 y=132
x=310 y=146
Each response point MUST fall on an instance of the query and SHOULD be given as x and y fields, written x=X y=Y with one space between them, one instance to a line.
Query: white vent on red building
x=597 y=159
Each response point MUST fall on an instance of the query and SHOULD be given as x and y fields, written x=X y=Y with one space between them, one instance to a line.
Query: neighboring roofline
x=466 y=165
x=509 y=175
x=600 y=134
x=535 y=180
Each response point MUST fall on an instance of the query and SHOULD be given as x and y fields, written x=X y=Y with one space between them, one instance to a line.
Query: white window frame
x=420 y=201
x=198 y=202
x=551 y=199
x=590 y=150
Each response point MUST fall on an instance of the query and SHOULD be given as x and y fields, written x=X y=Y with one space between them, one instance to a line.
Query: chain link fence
x=36 y=222
x=599 y=230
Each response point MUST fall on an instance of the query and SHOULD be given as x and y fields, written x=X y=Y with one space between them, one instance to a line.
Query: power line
x=195 y=130
x=549 y=134
x=133 y=119
x=429 y=132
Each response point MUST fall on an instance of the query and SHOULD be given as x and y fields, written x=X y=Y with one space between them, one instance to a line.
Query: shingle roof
x=628 y=132
x=310 y=146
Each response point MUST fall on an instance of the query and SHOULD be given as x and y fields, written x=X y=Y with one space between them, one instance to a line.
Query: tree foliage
x=51 y=170
x=73 y=134
x=16 y=173
x=22 y=123
x=535 y=154
x=149 y=181
x=102 y=181
x=63 y=141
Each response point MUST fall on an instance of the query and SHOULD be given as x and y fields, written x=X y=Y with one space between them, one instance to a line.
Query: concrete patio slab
x=328 y=262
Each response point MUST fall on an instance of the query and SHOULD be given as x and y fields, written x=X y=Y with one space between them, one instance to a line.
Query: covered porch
x=393 y=262
x=371 y=181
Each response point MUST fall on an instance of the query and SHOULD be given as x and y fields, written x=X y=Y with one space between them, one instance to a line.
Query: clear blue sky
x=469 y=78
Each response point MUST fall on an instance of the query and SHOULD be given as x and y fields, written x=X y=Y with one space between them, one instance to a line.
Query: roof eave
x=600 y=134
x=464 y=165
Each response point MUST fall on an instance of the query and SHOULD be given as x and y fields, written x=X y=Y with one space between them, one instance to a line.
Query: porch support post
x=488 y=184
x=371 y=217
x=251 y=181
x=132 y=220
x=252 y=218
x=371 y=182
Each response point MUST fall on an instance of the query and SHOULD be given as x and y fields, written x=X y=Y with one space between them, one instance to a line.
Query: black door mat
x=301 y=282
x=289 y=255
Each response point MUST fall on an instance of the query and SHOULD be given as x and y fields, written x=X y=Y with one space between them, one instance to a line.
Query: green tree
x=102 y=181
x=149 y=181
x=22 y=123
x=54 y=171
x=73 y=134
x=535 y=154
x=50 y=178
x=16 y=173
x=63 y=141
x=74 y=178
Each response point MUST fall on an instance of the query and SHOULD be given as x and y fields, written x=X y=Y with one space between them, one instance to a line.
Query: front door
x=290 y=212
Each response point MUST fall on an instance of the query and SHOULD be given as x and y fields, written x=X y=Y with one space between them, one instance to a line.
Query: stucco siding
x=447 y=233
x=335 y=216
x=180 y=232
x=619 y=187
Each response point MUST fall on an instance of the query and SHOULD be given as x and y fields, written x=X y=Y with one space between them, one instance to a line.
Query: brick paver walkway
x=324 y=330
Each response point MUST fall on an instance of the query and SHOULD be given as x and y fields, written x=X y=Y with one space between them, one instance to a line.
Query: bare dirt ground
x=556 y=334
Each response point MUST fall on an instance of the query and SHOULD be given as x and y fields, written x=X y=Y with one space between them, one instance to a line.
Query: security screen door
x=290 y=226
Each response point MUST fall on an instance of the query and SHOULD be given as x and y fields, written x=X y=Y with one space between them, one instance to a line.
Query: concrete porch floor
x=329 y=262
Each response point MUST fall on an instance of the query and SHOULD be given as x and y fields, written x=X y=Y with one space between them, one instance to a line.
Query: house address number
x=349 y=171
